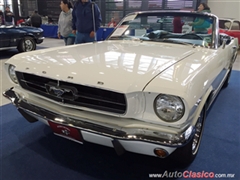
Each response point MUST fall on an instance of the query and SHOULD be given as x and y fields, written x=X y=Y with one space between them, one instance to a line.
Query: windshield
x=170 y=27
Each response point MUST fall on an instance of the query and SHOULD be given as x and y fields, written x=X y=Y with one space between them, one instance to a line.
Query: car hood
x=125 y=66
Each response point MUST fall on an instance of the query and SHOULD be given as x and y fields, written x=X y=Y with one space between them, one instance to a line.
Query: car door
x=4 y=38
x=12 y=36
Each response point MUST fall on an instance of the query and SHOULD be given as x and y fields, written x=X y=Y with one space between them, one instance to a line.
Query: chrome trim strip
x=7 y=48
x=215 y=34
x=32 y=83
x=217 y=90
x=68 y=138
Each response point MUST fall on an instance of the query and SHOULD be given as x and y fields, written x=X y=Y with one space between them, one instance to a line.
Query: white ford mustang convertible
x=145 y=89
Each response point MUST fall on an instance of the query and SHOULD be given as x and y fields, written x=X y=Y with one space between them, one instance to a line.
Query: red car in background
x=230 y=26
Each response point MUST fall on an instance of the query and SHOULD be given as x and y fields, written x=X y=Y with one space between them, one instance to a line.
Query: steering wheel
x=191 y=36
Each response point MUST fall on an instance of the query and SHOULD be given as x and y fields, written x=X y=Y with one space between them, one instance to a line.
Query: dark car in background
x=23 y=38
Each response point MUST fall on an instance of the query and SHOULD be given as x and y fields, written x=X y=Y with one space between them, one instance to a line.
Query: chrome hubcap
x=28 y=46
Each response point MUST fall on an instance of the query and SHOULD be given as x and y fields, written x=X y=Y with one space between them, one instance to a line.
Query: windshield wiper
x=174 y=41
x=125 y=36
x=167 y=40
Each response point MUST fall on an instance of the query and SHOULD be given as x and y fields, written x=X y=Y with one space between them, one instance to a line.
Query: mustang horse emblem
x=58 y=91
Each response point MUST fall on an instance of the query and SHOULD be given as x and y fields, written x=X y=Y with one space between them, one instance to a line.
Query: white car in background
x=230 y=26
x=145 y=94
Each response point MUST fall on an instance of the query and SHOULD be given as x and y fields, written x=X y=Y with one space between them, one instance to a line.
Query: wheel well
x=31 y=36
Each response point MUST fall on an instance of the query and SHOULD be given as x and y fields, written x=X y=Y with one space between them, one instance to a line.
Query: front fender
x=204 y=100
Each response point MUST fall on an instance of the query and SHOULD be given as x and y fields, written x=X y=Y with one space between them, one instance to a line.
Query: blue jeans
x=83 y=38
x=69 y=40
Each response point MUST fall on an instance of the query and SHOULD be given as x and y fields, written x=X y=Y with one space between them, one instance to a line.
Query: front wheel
x=27 y=44
x=185 y=155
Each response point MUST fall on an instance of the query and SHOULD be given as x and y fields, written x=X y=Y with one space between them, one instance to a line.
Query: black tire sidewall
x=21 y=44
x=184 y=156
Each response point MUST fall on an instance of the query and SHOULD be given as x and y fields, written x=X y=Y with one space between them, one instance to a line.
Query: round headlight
x=169 y=108
x=12 y=74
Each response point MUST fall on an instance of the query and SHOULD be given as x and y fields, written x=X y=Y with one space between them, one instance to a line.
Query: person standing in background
x=112 y=23
x=177 y=24
x=203 y=7
x=36 y=20
x=1 y=18
x=82 y=23
x=9 y=16
x=65 y=23
x=201 y=25
x=50 y=20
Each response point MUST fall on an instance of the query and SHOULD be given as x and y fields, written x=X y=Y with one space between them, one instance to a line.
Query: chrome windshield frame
x=215 y=25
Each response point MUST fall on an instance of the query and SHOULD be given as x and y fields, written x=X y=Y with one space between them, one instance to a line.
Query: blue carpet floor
x=31 y=152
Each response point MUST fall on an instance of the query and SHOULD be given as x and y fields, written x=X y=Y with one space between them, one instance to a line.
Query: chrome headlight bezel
x=171 y=109
x=12 y=73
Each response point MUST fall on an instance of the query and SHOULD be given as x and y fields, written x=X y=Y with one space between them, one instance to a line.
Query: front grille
x=73 y=94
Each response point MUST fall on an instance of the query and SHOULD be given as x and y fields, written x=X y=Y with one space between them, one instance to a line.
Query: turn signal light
x=162 y=153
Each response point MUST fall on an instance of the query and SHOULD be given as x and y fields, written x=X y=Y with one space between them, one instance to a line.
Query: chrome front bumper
x=156 y=139
x=40 y=40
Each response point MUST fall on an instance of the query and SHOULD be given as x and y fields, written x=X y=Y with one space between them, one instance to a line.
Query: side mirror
x=225 y=41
